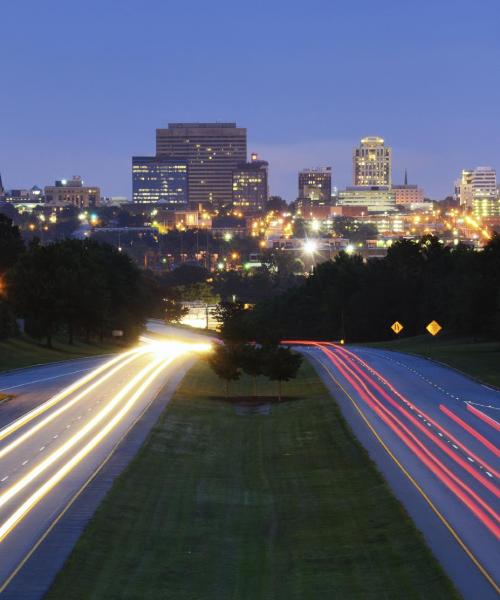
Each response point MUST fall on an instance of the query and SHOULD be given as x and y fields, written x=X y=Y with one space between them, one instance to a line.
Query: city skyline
x=99 y=120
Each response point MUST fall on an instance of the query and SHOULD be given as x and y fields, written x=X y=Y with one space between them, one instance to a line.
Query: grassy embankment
x=481 y=359
x=228 y=500
x=23 y=351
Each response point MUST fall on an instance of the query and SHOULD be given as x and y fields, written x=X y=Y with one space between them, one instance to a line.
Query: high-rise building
x=316 y=185
x=477 y=184
x=484 y=182
x=159 y=180
x=250 y=187
x=2 y=191
x=463 y=188
x=212 y=152
x=72 y=192
x=372 y=163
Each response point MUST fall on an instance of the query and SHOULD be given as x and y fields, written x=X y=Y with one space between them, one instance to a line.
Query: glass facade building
x=316 y=185
x=159 y=180
x=250 y=190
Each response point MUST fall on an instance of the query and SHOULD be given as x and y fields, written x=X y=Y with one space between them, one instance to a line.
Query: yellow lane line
x=59 y=452
x=18 y=515
x=77 y=494
x=436 y=511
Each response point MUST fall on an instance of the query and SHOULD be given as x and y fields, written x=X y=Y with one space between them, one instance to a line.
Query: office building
x=212 y=152
x=159 y=180
x=72 y=192
x=463 y=188
x=375 y=198
x=372 y=163
x=250 y=187
x=316 y=185
x=477 y=184
x=484 y=182
x=486 y=207
x=2 y=191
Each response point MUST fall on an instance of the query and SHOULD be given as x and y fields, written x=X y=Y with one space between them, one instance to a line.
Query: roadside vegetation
x=23 y=351
x=416 y=283
x=480 y=359
x=251 y=500
x=80 y=289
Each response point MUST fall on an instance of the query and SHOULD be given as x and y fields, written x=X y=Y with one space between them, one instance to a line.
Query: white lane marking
x=25 y=463
x=4 y=478
x=55 y=436
x=483 y=405
x=44 y=379
x=42 y=449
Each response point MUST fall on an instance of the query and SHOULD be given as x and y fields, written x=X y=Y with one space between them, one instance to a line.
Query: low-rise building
x=72 y=192
x=375 y=198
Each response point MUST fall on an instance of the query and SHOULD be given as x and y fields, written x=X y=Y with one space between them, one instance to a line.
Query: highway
x=62 y=424
x=434 y=435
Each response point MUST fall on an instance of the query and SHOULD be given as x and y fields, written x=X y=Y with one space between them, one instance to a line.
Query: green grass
x=222 y=505
x=23 y=351
x=481 y=359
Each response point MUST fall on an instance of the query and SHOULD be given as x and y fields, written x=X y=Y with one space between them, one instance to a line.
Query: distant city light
x=310 y=246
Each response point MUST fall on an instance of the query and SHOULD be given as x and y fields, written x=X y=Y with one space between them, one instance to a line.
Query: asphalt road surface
x=62 y=423
x=434 y=434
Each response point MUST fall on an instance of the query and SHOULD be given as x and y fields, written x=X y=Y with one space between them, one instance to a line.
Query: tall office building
x=316 y=185
x=2 y=191
x=477 y=184
x=484 y=182
x=159 y=179
x=372 y=163
x=250 y=187
x=212 y=152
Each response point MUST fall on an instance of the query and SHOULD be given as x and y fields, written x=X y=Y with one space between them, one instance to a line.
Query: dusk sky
x=84 y=85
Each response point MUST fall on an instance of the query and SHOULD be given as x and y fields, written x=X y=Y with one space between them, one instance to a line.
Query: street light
x=310 y=246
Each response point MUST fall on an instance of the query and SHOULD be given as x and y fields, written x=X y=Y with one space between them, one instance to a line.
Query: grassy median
x=234 y=500
x=481 y=359
x=23 y=351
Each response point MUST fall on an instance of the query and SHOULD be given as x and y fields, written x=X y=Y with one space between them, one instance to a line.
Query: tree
x=11 y=243
x=233 y=325
x=82 y=286
x=251 y=358
x=174 y=311
x=223 y=362
x=276 y=203
x=281 y=364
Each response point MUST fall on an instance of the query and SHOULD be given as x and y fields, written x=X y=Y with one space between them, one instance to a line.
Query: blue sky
x=83 y=85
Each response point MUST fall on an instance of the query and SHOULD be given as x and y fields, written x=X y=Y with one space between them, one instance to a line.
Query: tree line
x=76 y=288
x=358 y=300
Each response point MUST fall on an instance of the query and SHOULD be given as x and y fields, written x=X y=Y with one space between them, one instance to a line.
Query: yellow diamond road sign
x=397 y=327
x=434 y=328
